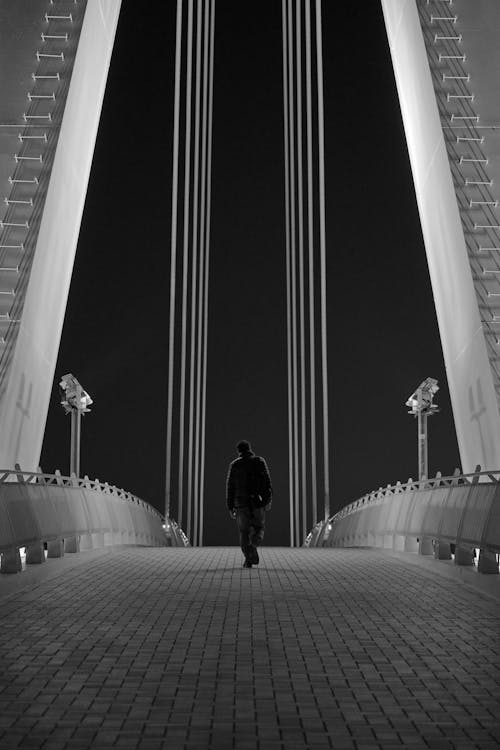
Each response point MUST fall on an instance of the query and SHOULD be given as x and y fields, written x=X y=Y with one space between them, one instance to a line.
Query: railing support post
x=442 y=550
x=425 y=546
x=411 y=544
x=72 y=544
x=35 y=554
x=55 y=548
x=86 y=542
x=98 y=540
x=487 y=562
x=11 y=561
x=463 y=556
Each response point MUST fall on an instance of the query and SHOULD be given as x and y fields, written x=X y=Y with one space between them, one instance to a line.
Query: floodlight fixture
x=421 y=406
x=75 y=401
x=421 y=399
x=73 y=397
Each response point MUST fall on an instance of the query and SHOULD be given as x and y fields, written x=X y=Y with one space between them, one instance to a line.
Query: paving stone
x=344 y=649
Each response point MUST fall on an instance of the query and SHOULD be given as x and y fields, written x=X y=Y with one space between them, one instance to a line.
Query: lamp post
x=421 y=406
x=75 y=401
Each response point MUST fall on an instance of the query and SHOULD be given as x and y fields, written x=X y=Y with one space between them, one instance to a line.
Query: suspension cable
x=173 y=266
x=300 y=192
x=207 y=257
x=310 y=240
x=185 y=264
x=293 y=264
x=201 y=279
x=306 y=287
x=321 y=167
x=193 y=417
x=286 y=126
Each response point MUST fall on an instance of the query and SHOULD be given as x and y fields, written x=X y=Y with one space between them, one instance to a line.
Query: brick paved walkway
x=174 y=648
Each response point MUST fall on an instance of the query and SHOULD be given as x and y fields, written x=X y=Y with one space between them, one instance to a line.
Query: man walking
x=249 y=495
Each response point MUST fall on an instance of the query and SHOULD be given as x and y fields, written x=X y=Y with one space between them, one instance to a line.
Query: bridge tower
x=446 y=60
x=54 y=57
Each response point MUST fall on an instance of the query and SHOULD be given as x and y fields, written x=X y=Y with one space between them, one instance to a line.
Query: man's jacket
x=247 y=478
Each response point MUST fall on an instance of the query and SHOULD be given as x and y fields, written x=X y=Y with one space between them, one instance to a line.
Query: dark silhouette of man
x=249 y=495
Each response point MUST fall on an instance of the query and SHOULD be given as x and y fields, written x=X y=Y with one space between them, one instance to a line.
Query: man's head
x=243 y=447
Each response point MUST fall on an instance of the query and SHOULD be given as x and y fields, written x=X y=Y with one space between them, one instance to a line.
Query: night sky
x=382 y=327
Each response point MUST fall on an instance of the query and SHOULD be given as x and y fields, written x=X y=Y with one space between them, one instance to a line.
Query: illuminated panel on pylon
x=446 y=61
x=54 y=57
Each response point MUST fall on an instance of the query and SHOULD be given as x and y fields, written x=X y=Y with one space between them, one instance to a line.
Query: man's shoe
x=254 y=556
x=247 y=564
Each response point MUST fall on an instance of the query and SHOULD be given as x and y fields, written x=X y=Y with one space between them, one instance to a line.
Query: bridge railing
x=54 y=514
x=445 y=517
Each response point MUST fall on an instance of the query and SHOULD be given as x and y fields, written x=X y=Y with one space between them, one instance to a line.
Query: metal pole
x=422 y=445
x=76 y=420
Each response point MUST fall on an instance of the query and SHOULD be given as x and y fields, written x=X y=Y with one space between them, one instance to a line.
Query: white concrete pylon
x=46 y=244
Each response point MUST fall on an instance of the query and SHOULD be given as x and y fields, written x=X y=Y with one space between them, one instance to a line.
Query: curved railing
x=443 y=516
x=52 y=514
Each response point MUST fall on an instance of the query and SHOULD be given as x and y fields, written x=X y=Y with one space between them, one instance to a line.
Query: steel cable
x=173 y=268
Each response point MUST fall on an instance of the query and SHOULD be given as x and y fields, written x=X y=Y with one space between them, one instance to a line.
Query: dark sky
x=382 y=328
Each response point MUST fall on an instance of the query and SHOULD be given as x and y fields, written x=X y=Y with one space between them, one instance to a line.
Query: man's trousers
x=251 y=525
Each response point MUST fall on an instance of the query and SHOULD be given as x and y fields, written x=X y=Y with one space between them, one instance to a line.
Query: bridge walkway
x=183 y=648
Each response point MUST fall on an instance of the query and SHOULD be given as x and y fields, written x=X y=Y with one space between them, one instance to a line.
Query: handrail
x=419 y=485
x=66 y=514
x=442 y=516
x=41 y=477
